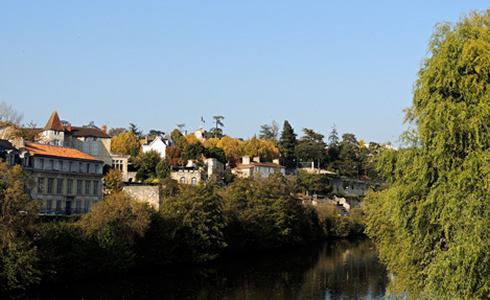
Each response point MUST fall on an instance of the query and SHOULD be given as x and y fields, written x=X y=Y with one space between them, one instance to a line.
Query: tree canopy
x=287 y=143
x=432 y=225
x=126 y=143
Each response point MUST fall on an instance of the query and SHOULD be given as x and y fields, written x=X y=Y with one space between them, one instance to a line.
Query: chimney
x=257 y=159
x=246 y=160
x=104 y=128
x=276 y=161
x=68 y=128
x=19 y=143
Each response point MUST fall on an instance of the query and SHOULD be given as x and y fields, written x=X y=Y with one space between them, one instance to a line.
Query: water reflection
x=340 y=269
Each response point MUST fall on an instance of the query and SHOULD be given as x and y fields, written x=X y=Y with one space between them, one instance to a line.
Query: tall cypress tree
x=287 y=143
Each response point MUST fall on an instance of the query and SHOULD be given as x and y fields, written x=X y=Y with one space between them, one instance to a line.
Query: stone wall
x=147 y=193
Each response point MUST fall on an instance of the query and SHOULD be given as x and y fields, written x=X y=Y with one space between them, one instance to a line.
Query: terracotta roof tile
x=49 y=150
x=54 y=122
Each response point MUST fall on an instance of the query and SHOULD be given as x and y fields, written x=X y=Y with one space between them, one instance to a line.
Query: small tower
x=54 y=132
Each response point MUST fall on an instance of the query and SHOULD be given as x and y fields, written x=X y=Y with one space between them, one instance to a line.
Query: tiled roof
x=54 y=122
x=86 y=131
x=48 y=150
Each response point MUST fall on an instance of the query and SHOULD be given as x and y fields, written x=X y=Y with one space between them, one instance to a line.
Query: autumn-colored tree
x=212 y=142
x=266 y=150
x=233 y=149
x=173 y=155
x=192 y=139
x=126 y=143
x=27 y=132
x=113 y=180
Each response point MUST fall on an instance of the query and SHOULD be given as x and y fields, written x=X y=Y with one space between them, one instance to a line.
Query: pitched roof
x=54 y=122
x=5 y=145
x=86 y=131
x=49 y=150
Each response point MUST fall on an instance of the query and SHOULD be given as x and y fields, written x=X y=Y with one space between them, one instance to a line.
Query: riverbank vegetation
x=195 y=224
x=432 y=225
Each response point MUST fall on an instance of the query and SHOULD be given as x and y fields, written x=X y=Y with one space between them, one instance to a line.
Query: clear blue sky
x=161 y=63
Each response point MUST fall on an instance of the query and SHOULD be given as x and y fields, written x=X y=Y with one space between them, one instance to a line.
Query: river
x=339 y=269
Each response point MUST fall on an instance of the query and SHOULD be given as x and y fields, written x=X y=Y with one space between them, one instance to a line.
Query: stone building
x=67 y=181
x=256 y=168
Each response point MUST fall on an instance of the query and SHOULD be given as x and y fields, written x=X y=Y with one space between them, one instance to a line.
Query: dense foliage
x=195 y=224
x=432 y=226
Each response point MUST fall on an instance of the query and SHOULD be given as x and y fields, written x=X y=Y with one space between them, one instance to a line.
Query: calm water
x=340 y=269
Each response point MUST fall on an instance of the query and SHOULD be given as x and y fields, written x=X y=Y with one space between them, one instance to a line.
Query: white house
x=158 y=144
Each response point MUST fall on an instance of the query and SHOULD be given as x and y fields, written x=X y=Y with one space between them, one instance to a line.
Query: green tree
x=218 y=153
x=432 y=225
x=19 y=258
x=269 y=132
x=348 y=162
x=179 y=139
x=134 y=129
x=311 y=148
x=115 y=225
x=263 y=214
x=163 y=169
x=146 y=164
x=287 y=144
x=198 y=222
x=216 y=131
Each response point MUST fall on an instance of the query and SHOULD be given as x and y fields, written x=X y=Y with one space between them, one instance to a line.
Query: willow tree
x=432 y=226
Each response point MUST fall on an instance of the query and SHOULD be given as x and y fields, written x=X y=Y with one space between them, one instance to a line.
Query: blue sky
x=161 y=63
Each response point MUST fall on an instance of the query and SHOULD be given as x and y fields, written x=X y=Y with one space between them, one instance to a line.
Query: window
x=194 y=180
x=41 y=164
x=85 y=148
x=96 y=188
x=51 y=165
x=182 y=180
x=69 y=187
x=87 y=187
x=88 y=168
x=60 y=165
x=50 y=185
x=87 y=205
x=59 y=186
x=40 y=185
x=80 y=167
x=117 y=164
x=49 y=205
x=79 y=187
x=70 y=167
x=58 y=205
x=79 y=206
x=95 y=149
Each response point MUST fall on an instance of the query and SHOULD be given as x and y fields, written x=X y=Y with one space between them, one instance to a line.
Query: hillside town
x=68 y=163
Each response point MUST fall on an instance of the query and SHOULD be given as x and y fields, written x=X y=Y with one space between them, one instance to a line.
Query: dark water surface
x=339 y=269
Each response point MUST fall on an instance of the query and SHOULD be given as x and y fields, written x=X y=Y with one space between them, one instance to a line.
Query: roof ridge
x=54 y=122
